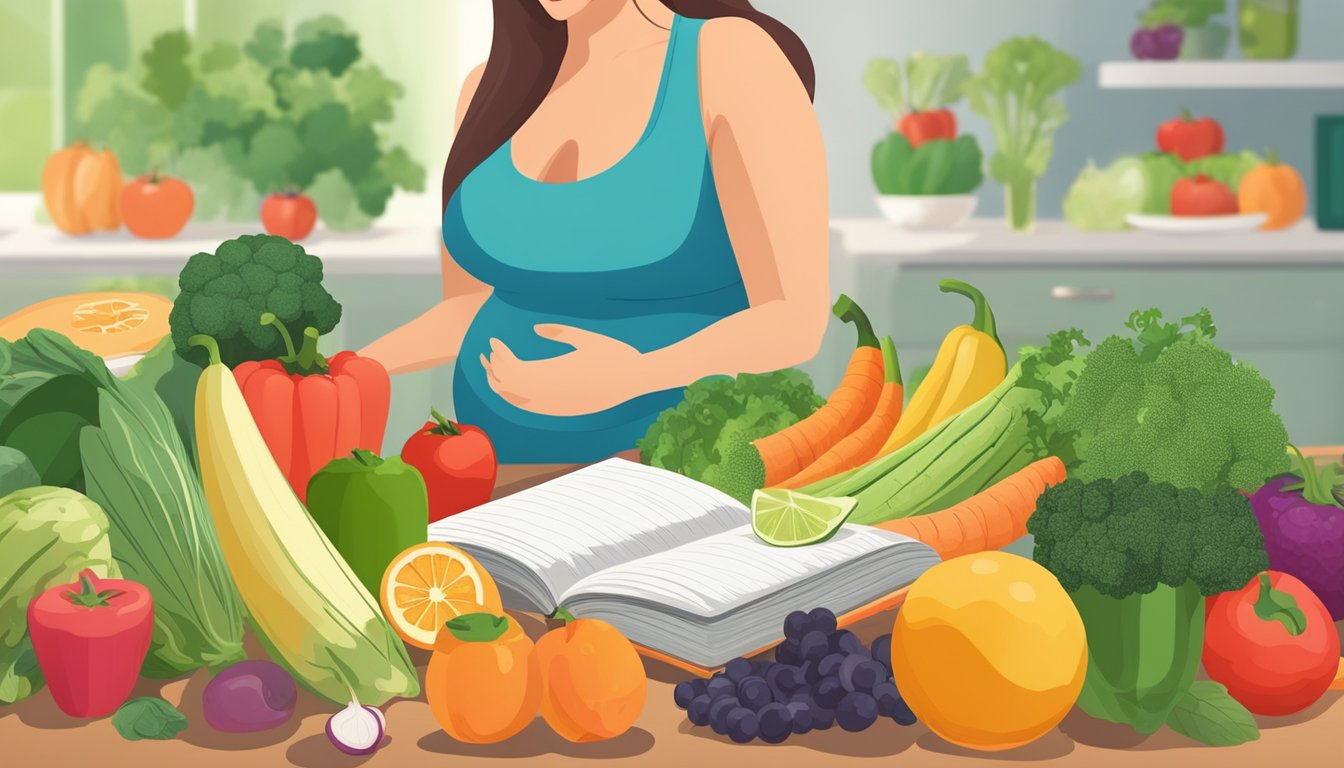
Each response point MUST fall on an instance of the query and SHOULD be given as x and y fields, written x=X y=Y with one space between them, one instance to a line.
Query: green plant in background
x=1201 y=38
x=1016 y=92
x=240 y=121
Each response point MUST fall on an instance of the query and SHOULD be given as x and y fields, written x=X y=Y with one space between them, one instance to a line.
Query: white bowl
x=927 y=211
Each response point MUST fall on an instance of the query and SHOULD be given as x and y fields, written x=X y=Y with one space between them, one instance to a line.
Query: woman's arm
x=435 y=337
x=770 y=169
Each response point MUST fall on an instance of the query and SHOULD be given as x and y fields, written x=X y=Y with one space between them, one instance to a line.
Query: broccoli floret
x=1172 y=404
x=1126 y=536
x=223 y=295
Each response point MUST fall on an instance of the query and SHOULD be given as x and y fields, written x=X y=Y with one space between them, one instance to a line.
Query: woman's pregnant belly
x=522 y=436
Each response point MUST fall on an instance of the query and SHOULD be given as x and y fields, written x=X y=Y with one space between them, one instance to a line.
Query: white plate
x=1197 y=225
x=927 y=212
x=120 y=366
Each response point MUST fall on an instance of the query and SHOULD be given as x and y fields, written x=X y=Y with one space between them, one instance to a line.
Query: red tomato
x=457 y=462
x=156 y=206
x=1202 y=196
x=289 y=215
x=1190 y=138
x=1272 y=643
x=919 y=127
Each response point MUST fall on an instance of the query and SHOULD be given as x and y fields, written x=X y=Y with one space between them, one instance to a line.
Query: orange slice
x=429 y=584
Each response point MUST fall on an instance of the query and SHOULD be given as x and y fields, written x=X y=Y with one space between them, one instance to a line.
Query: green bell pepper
x=371 y=509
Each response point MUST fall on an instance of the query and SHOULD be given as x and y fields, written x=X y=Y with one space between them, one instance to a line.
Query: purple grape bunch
x=821 y=677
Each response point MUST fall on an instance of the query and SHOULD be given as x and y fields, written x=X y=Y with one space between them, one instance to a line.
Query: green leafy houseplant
x=240 y=121
x=1016 y=92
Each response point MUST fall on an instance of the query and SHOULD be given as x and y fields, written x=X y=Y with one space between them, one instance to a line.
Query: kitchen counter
x=40 y=734
x=990 y=242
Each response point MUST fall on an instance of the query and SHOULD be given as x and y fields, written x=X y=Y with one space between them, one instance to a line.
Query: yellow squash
x=309 y=609
x=970 y=364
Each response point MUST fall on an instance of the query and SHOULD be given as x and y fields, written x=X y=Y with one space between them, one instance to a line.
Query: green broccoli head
x=223 y=295
x=1126 y=536
x=1172 y=404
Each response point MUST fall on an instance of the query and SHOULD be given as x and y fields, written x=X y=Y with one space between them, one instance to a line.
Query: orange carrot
x=863 y=443
x=788 y=451
x=991 y=519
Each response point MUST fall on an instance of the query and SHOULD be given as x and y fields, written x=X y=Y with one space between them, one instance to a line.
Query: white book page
x=714 y=575
x=594 y=518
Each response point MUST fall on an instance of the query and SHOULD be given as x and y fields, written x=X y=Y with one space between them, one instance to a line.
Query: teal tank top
x=638 y=252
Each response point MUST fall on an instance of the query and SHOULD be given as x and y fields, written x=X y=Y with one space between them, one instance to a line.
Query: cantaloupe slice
x=111 y=324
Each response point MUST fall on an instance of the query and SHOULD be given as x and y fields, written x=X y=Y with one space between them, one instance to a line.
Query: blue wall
x=843 y=34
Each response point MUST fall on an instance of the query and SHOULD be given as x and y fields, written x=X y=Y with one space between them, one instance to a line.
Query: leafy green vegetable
x=148 y=717
x=1208 y=714
x=1226 y=169
x=224 y=294
x=938 y=167
x=16 y=472
x=720 y=413
x=1182 y=13
x=1100 y=199
x=1172 y=404
x=47 y=535
x=239 y=121
x=172 y=378
x=1015 y=91
x=132 y=463
x=1163 y=171
x=929 y=81
x=1138 y=558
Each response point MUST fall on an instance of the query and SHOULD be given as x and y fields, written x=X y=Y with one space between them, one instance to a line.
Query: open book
x=670 y=562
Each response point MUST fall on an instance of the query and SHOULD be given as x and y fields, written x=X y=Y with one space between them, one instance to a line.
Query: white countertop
x=989 y=241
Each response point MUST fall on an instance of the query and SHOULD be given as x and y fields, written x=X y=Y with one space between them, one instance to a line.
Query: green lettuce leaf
x=1208 y=714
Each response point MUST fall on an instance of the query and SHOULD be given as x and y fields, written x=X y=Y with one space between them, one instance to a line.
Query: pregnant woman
x=635 y=199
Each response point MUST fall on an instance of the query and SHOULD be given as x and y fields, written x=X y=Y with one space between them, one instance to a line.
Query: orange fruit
x=483 y=683
x=430 y=583
x=594 y=680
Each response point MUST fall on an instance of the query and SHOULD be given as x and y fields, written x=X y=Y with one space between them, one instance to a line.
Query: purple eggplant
x=1303 y=525
x=1161 y=43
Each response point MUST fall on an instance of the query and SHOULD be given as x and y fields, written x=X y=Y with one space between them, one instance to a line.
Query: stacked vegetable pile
x=1189 y=175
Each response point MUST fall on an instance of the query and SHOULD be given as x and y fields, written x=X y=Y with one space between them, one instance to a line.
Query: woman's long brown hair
x=525 y=55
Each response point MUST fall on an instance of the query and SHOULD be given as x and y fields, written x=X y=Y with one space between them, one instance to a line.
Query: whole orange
x=483 y=683
x=156 y=206
x=594 y=680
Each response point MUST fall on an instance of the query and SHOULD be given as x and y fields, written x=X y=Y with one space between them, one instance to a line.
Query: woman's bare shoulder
x=737 y=56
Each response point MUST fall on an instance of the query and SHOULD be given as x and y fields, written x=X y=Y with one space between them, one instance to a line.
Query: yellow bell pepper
x=970 y=363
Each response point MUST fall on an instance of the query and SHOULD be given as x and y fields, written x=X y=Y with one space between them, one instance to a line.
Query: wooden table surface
x=35 y=733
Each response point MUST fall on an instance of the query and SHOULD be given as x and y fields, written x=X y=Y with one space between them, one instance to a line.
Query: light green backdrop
x=413 y=41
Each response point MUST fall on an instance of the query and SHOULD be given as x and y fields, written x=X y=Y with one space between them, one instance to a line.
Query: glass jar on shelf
x=1267 y=29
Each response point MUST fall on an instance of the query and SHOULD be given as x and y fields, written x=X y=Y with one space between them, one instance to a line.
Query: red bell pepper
x=1272 y=643
x=90 y=639
x=457 y=462
x=311 y=410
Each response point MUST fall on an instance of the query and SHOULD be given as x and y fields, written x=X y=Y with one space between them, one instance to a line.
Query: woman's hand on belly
x=600 y=373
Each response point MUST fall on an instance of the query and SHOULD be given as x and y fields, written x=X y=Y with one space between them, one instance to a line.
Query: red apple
x=289 y=214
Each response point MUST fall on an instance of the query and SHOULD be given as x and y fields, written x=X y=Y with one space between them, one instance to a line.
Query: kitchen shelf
x=43 y=250
x=989 y=241
x=1221 y=74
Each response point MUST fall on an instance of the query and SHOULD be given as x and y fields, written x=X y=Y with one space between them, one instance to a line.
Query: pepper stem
x=211 y=346
x=269 y=318
x=1271 y=157
x=307 y=359
x=366 y=457
x=445 y=427
x=848 y=311
x=88 y=594
x=984 y=316
x=1276 y=605
x=1186 y=115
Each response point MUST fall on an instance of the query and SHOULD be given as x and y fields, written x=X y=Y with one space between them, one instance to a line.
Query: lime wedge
x=786 y=518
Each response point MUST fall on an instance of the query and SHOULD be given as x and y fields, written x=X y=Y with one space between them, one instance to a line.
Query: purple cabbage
x=1303 y=525
x=1157 y=43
